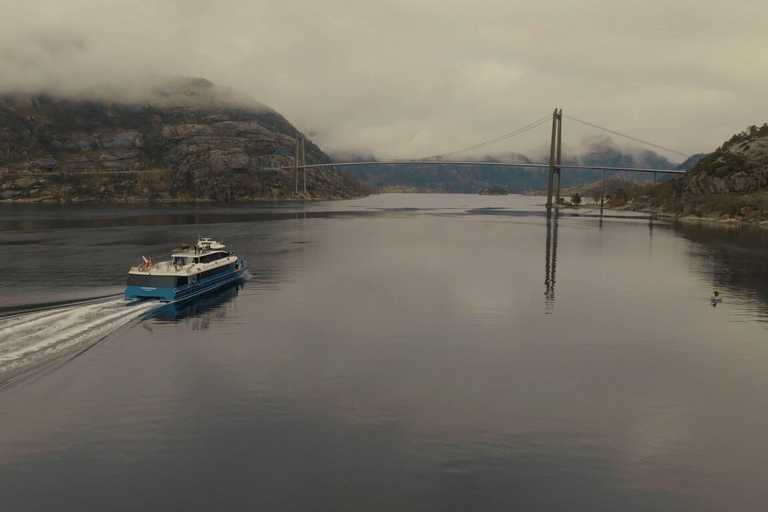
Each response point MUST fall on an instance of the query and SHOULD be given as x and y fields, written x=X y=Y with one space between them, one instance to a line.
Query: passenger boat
x=191 y=271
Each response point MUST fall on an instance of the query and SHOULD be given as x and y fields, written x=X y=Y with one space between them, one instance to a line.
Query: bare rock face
x=736 y=169
x=740 y=166
x=730 y=183
x=209 y=150
x=184 y=131
x=130 y=139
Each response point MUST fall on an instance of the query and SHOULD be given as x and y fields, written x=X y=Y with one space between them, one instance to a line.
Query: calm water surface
x=400 y=352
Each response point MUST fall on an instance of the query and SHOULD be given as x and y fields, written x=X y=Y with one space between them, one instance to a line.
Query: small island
x=494 y=190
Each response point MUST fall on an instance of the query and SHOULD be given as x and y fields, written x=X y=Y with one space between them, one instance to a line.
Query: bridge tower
x=558 y=169
x=555 y=152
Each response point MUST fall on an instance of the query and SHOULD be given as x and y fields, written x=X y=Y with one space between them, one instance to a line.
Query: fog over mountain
x=597 y=151
x=417 y=78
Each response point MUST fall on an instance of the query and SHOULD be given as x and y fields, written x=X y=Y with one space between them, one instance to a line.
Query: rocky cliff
x=729 y=183
x=739 y=166
x=194 y=142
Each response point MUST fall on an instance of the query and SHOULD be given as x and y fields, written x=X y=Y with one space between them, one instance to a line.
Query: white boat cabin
x=204 y=255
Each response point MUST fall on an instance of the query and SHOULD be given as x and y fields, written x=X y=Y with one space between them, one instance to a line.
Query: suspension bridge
x=554 y=165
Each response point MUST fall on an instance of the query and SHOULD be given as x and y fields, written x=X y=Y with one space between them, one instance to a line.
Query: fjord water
x=399 y=352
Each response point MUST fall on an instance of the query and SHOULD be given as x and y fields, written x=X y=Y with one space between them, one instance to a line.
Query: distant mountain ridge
x=471 y=179
x=205 y=142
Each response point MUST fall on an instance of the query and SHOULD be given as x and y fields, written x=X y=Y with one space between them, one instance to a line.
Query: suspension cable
x=493 y=141
x=626 y=136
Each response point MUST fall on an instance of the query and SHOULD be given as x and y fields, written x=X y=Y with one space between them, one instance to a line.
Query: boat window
x=151 y=281
x=215 y=271
x=212 y=257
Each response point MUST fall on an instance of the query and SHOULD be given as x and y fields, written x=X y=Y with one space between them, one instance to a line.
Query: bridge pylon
x=558 y=169
x=554 y=156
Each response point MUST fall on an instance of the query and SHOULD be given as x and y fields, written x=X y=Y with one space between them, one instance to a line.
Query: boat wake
x=30 y=339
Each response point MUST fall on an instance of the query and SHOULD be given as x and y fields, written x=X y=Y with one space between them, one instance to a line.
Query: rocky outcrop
x=735 y=169
x=204 y=150
x=730 y=183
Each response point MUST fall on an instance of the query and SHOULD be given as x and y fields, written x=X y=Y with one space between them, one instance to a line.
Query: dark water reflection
x=396 y=353
x=201 y=309
x=733 y=258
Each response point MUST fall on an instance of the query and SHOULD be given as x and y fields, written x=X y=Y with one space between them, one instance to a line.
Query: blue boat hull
x=171 y=294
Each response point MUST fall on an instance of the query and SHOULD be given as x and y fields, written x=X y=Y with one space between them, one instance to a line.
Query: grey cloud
x=60 y=43
x=413 y=78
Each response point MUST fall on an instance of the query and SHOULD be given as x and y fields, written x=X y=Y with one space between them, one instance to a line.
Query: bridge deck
x=498 y=164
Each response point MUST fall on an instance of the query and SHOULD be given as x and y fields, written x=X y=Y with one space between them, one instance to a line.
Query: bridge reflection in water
x=550 y=266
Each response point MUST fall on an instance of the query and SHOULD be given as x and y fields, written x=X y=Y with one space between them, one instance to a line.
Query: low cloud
x=410 y=79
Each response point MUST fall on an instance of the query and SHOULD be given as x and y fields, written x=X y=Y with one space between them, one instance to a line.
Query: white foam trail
x=34 y=337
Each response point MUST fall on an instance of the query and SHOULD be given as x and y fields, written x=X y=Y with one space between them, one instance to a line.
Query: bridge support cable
x=651 y=144
x=492 y=141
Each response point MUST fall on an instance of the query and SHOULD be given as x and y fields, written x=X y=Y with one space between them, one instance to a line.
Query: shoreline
x=293 y=199
x=730 y=221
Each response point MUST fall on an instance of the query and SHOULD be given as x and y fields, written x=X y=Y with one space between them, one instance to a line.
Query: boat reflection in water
x=204 y=307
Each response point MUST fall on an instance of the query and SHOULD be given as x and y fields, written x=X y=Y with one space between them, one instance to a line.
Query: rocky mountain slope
x=192 y=141
x=729 y=183
x=690 y=162
x=739 y=166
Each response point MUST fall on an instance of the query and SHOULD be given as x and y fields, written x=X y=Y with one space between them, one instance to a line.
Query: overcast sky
x=412 y=78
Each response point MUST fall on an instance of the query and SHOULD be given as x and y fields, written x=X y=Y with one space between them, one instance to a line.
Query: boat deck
x=168 y=268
